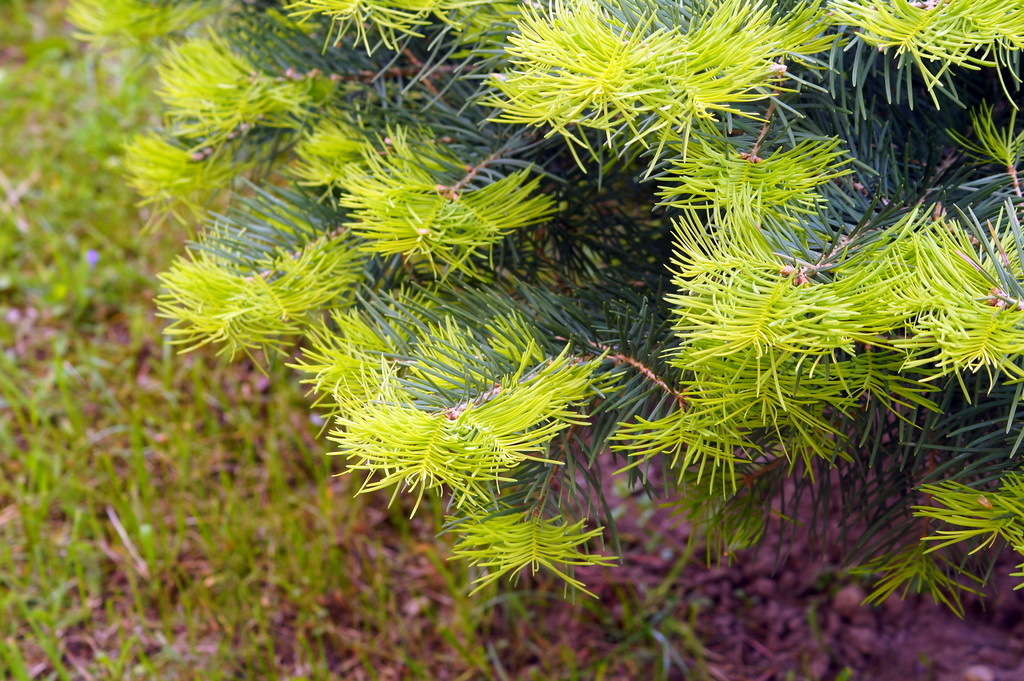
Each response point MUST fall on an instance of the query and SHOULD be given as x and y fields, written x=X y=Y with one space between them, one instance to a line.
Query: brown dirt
x=802 y=617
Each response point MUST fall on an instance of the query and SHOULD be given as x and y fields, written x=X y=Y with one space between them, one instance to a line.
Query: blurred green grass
x=168 y=517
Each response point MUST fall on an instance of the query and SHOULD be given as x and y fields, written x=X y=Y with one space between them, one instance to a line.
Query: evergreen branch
x=812 y=284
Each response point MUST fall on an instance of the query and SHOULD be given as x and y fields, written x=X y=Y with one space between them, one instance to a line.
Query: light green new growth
x=466 y=446
x=328 y=153
x=172 y=178
x=990 y=516
x=345 y=361
x=373 y=20
x=214 y=93
x=745 y=187
x=138 y=21
x=506 y=544
x=993 y=144
x=914 y=567
x=210 y=302
x=576 y=67
x=751 y=301
x=401 y=204
x=938 y=34
x=963 y=322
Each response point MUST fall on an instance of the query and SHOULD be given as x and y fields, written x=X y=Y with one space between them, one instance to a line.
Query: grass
x=169 y=517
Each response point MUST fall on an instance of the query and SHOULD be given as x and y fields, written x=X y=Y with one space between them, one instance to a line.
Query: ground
x=802 y=617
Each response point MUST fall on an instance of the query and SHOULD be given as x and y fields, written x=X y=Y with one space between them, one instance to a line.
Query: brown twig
x=364 y=75
x=453 y=413
x=418 y=64
x=545 y=489
x=951 y=157
x=647 y=372
x=749 y=479
x=453 y=192
x=751 y=155
x=1012 y=170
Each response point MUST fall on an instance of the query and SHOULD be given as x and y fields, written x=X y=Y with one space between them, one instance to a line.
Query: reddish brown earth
x=803 y=617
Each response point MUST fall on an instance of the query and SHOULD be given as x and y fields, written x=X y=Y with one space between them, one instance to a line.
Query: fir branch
x=812 y=283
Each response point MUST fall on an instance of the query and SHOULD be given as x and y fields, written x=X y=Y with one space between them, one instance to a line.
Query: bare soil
x=803 y=617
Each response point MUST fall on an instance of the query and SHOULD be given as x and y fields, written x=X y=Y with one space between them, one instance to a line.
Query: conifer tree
x=739 y=252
